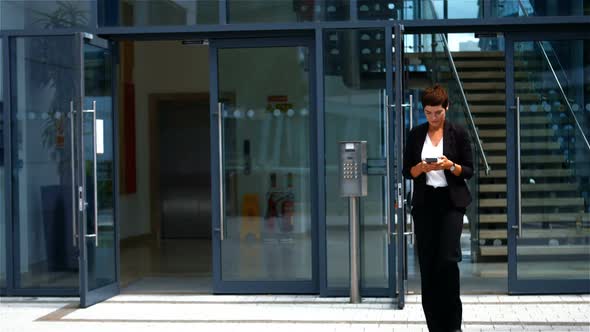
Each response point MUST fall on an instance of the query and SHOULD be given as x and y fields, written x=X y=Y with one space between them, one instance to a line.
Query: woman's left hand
x=443 y=163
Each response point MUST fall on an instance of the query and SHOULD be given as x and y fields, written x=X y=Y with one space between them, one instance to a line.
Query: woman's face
x=435 y=115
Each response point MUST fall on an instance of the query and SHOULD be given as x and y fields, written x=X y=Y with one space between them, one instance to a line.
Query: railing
x=464 y=97
x=559 y=85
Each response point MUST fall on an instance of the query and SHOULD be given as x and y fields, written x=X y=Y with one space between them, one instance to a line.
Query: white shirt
x=434 y=178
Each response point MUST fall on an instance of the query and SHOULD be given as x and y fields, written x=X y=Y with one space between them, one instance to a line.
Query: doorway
x=165 y=198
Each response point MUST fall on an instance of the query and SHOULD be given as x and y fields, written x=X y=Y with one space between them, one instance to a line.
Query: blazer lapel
x=447 y=139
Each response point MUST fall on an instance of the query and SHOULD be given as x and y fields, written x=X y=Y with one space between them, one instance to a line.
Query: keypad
x=350 y=170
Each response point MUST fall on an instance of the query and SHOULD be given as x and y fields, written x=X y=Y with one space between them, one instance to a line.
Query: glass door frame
x=516 y=286
x=395 y=129
x=89 y=296
x=397 y=182
x=255 y=287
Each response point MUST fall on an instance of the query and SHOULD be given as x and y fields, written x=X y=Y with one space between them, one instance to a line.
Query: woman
x=438 y=158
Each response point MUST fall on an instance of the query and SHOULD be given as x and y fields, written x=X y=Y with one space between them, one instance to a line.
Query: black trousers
x=438 y=227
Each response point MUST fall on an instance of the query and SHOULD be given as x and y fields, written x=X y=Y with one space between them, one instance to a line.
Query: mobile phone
x=431 y=160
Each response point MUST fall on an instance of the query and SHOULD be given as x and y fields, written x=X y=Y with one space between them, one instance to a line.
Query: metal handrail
x=569 y=106
x=458 y=79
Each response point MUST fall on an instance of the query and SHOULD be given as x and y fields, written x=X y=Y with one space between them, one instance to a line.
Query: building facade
x=192 y=146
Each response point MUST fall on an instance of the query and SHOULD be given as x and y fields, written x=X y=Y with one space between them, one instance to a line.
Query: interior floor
x=174 y=266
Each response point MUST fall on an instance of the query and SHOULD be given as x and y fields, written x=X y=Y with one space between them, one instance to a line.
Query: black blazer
x=456 y=147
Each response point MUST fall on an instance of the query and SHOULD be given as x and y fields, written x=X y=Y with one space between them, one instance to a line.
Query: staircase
x=553 y=210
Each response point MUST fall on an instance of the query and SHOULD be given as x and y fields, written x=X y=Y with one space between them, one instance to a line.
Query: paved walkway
x=286 y=313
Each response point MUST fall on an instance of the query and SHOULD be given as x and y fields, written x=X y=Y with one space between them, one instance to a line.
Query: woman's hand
x=443 y=164
x=422 y=167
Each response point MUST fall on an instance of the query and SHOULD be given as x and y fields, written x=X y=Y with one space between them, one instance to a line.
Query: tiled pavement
x=286 y=313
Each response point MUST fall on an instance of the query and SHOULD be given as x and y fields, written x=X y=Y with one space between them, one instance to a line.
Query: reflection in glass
x=555 y=159
x=510 y=8
x=162 y=12
x=47 y=14
x=266 y=163
x=98 y=88
x=354 y=95
x=3 y=234
x=479 y=63
x=45 y=72
x=284 y=11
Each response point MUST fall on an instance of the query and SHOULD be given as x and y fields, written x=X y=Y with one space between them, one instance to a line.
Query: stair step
x=494 y=188
x=485 y=75
x=467 y=54
x=471 y=97
x=537 y=173
x=538 y=271
x=523 y=133
x=474 y=86
x=483 y=85
x=487 y=109
x=538 y=118
x=537 y=250
x=490 y=234
x=542 y=159
x=523 y=146
x=483 y=64
x=536 y=218
x=531 y=202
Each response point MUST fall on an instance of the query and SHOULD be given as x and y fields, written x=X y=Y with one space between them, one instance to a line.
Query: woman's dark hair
x=435 y=96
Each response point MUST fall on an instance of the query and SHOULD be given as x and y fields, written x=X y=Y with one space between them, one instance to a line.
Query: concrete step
x=485 y=75
x=499 y=97
x=469 y=86
x=532 y=202
x=537 y=250
x=500 y=218
x=524 y=133
x=533 y=119
x=540 y=159
x=475 y=86
x=523 y=146
x=484 y=109
x=471 y=55
x=540 y=173
x=499 y=188
x=490 y=234
x=481 y=64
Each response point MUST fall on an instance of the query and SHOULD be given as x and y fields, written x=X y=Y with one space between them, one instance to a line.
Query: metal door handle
x=95 y=189
x=518 y=179
x=73 y=169
x=387 y=171
x=220 y=151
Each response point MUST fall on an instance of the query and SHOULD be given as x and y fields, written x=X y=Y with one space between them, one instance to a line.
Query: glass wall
x=479 y=63
x=283 y=11
x=160 y=12
x=44 y=73
x=3 y=248
x=552 y=82
x=509 y=8
x=47 y=14
x=354 y=80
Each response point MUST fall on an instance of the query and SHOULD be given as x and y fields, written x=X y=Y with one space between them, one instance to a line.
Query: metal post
x=355 y=296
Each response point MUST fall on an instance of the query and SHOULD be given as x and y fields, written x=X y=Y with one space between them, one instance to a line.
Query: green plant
x=58 y=72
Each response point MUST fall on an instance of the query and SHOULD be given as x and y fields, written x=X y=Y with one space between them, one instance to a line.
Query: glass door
x=548 y=97
x=262 y=106
x=63 y=161
x=93 y=124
